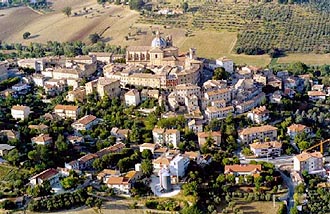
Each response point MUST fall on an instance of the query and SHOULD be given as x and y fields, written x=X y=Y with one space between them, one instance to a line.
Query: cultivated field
x=119 y=26
x=257 y=207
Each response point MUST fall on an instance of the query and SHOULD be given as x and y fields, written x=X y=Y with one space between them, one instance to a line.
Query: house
x=20 y=112
x=108 y=87
x=148 y=146
x=121 y=134
x=194 y=156
x=40 y=128
x=77 y=94
x=67 y=111
x=243 y=169
x=178 y=165
x=259 y=115
x=316 y=95
x=10 y=134
x=36 y=64
x=85 y=123
x=225 y=63
x=310 y=162
x=160 y=162
x=248 y=135
x=296 y=129
x=205 y=160
x=213 y=112
x=186 y=90
x=103 y=57
x=75 y=140
x=158 y=135
x=196 y=125
x=172 y=137
x=203 y=136
x=132 y=98
x=106 y=173
x=123 y=184
x=266 y=149
x=5 y=148
x=42 y=139
x=51 y=175
x=219 y=94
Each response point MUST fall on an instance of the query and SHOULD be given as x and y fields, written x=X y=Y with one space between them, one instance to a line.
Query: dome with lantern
x=158 y=41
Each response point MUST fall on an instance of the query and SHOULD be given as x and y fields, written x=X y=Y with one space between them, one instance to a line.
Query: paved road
x=291 y=186
x=277 y=161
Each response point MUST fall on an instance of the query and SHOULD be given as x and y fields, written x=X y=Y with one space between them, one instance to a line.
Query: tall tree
x=67 y=11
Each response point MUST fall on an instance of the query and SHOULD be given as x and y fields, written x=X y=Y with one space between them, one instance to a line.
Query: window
x=156 y=56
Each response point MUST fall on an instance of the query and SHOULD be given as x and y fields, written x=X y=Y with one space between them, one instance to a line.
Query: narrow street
x=291 y=186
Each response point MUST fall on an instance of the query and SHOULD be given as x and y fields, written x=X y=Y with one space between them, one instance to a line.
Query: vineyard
x=261 y=27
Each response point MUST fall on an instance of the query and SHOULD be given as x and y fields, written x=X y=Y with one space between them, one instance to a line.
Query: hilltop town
x=159 y=122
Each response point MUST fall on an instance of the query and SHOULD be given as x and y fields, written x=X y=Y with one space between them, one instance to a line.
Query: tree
x=67 y=11
x=185 y=6
x=146 y=154
x=191 y=210
x=220 y=74
x=94 y=38
x=147 y=167
x=13 y=157
x=136 y=4
x=26 y=35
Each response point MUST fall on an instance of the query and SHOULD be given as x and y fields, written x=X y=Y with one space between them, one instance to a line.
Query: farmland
x=215 y=29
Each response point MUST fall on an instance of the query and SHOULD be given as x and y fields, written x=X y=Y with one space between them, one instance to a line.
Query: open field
x=258 y=207
x=313 y=59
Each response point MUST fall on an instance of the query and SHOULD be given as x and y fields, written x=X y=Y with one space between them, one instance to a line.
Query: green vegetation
x=26 y=35
x=67 y=11
x=263 y=28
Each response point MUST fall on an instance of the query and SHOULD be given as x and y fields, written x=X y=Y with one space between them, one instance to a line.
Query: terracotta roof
x=42 y=138
x=131 y=174
x=162 y=161
x=242 y=168
x=260 y=110
x=148 y=145
x=132 y=92
x=158 y=130
x=19 y=108
x=161 y=150
x=186 y=86
x=266 y=145
x=110 y=149
x=85 y=120
x=66 y=107
x=117 y=181
x=216 y=92
x=305 y=156
x=48 y=173
x=88 y=157
x=297 y=128
x=207 y=134
x=171 y=131
x=316 y=93
x=257 y=129
x=192 y=155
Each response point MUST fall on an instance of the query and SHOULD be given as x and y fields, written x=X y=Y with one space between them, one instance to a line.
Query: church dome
x=159 y=42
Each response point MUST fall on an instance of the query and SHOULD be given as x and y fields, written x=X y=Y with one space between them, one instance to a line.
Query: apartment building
x=259 y=115
x=296 y=129
x=20 y=112
x=85 y=123
x=266 y=149
x=219 y=94
x=203 y=136
x=260 y=133
x=310 y=162
x=213 y=112
x=67 y=111
x=132 y=98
